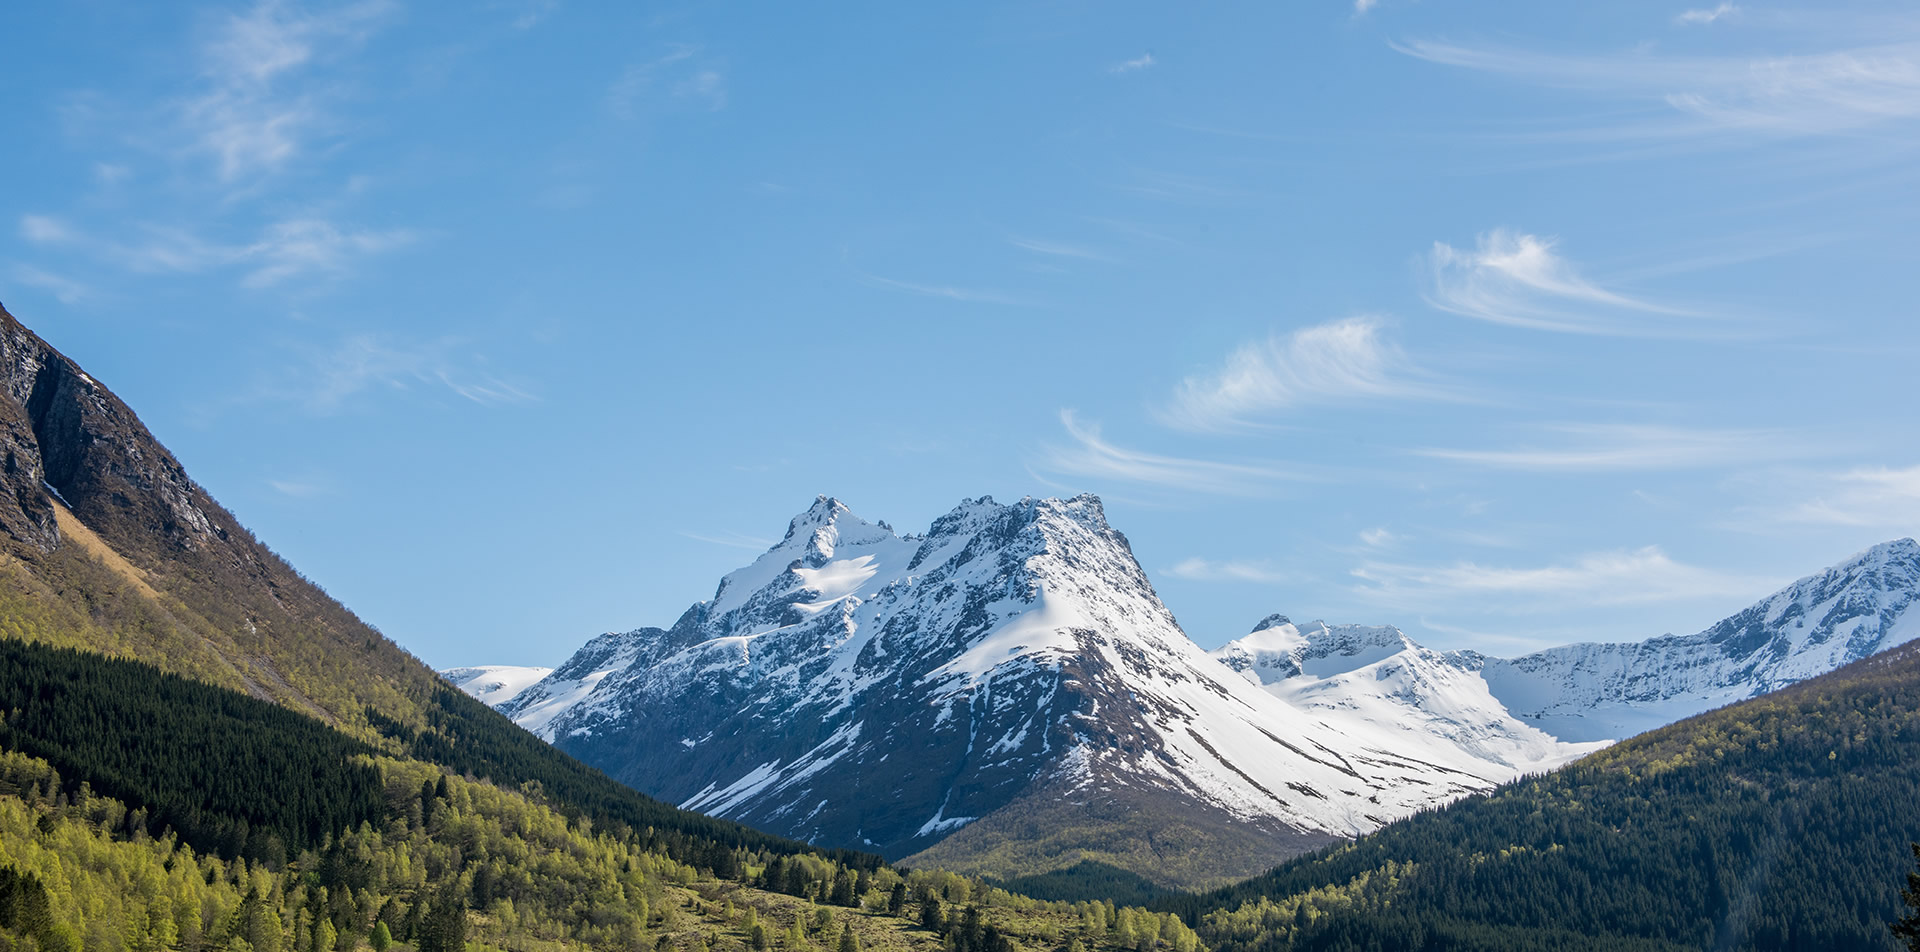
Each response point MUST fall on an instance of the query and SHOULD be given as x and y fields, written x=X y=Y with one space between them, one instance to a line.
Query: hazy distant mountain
x=1379 y=677
x=495 y=684
x=1777 y=823
x=1594 y=691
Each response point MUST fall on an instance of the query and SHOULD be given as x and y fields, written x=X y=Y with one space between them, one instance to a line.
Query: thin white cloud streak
x=370 y=363
x=689 y=81
x=298 y=489
x=708 y=86
x=534 y=12
x=1868 y=496
x=733 y=540
x=1378 y=537
x=45 y=230
x=65 y=290
x=951 y=293
x=1090 y=455
x=305 y=246
x=1605 y=447
x=1704 y=17
x=1203 y=570
x=1607 y=578
x=255 y=115
x=1826 y=93
x=1143 y=61
x=1360 y=7
x=1056 y=249
x=1340 y=360
x=284 y=250
x=1521 y=281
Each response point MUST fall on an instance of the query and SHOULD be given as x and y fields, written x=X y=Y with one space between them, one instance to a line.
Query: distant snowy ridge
x=1379 y=677
x=495 y=684
x=1586 y=692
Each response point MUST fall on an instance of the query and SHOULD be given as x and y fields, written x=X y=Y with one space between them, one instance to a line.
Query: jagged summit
x=1271 y=621
x=1591 y=691
x=1008 y=691
x=853 y=686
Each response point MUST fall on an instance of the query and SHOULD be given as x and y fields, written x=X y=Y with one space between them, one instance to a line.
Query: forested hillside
x=107 y=546
x=1778 y=823
x=141 y=811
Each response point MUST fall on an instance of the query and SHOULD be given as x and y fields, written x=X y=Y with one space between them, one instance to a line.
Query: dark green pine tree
x=444 y=928
x=897 y=900
x=427 y=802
x=930 y=917
x=842 y=893
x=1907 y=927
x=848 y=941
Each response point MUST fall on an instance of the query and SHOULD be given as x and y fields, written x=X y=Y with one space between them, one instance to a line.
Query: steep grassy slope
x=1777 y=823
x=106 y=545
x=1144 y=842
x=105 y=534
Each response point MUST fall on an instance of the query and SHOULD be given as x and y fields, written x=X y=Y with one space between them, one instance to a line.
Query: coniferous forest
x=1780 y=823
x=140 y=811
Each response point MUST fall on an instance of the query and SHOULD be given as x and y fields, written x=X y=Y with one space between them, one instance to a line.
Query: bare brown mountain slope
x=107 y=544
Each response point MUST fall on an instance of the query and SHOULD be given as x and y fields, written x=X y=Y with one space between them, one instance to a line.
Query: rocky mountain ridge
x=935 y=696
x=856 y=686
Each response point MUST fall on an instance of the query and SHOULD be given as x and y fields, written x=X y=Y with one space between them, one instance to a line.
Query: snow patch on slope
x=495 y=684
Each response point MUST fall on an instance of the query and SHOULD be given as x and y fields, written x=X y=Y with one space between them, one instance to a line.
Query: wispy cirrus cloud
x=333 y=379
x=64 y=289
x=1232 y=570
x=301 y=488
x=1834 y=91
x=532 y=13
x=1865 y=496
x=947 y=291
x=259 y=105
x=1521 y=280
x=1707 y=15
x=1620 y=577
x=281 y=251
x=1601 y=447
x=732 y=540
x=1056 y=249
x=307 y=246
x=682 y=72
x=1143 y=61
x=1091 y=455
x=1347 y=359
x=46 y=230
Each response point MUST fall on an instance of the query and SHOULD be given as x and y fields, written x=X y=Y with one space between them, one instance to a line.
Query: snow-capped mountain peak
x=859 y=687
x=1834 y=617
x=495 y=684
x=1378 y=676
x=1278 y=649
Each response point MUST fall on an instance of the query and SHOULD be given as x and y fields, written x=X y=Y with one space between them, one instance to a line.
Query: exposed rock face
x=860 y=688
x=1007 y=694
x=101 y=520
x=66 y=432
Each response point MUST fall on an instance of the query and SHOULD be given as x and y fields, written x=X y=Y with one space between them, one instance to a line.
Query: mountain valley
x=1007 y=695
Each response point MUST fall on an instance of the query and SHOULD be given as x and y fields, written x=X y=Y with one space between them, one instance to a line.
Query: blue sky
x=1511 y=324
